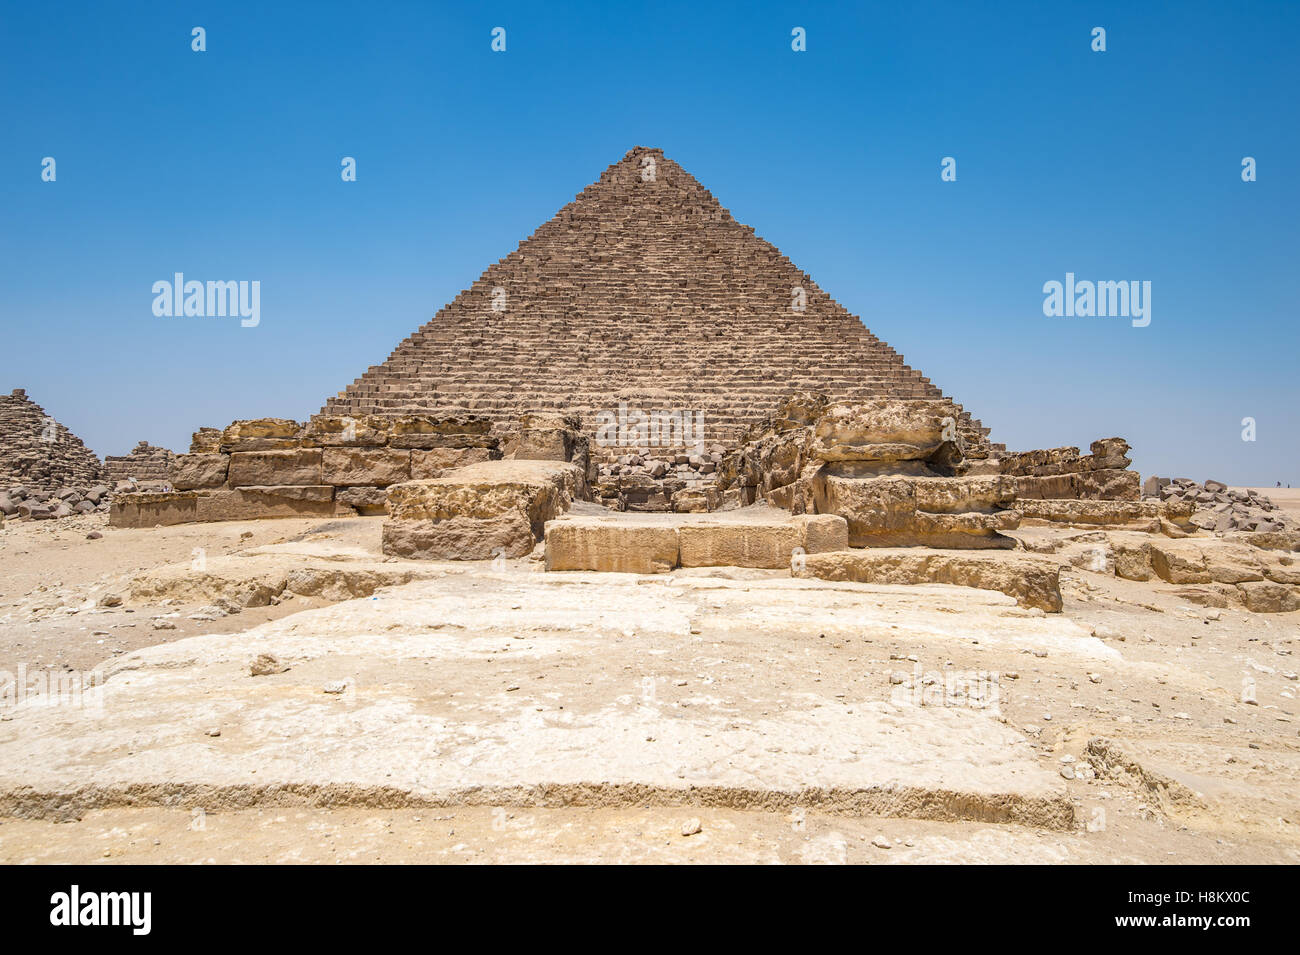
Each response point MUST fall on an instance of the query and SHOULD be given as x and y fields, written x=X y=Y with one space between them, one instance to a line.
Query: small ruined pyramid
x=643 y=290
x=38 y=452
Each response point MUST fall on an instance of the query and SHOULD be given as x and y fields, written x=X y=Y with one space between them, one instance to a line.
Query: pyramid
x=643 y=290
x=38 y=452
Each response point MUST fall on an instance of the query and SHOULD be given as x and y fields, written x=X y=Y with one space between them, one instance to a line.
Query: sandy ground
x=491 y=662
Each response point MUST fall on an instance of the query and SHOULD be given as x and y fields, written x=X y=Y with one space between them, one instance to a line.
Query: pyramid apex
x=642 y=150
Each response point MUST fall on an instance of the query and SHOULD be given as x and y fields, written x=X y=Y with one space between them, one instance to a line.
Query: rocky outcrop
x=1212 y=571
x=1032 y=581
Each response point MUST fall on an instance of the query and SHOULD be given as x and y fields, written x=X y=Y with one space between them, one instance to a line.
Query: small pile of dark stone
x=43 y=504
x=1219 y=508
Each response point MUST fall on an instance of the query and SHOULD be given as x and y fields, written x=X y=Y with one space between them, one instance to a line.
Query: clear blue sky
x=225 y=165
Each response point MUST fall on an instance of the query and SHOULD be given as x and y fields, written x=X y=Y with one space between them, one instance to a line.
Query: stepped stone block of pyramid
x=643 y=290
x=38 y=452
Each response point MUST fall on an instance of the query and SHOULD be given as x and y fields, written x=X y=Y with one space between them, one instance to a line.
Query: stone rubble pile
x=661 y=479
x=43 y=504
x=145 y=463
x=1219 y=508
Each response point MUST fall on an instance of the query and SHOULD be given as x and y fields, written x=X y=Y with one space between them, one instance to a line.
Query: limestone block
x=1132 y=560
x=191 y=471
x=478 y=511
x=887 y=512
x=883 y=429
x=595 y=544
x=697 y=500
x=367 y=501
x=351 y=466
x=1102 y=485
x=255 y=502
x=1092 y=513
x=1269 y=597
x=206 y=441
x=1033 y=582
x=429 y=431
x=822 y=532
x=431 y=463
x=147 y=509
x=275 y=468
x=346 y=431
x=545 y=444
x=1179 y=562
x=433 y=439
x=1110 y=485
x=509 y=534
x=261 y=434
x=1109 y=453
x=739 y=545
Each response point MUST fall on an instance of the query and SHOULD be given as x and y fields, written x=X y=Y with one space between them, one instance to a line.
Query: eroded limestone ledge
x=1032 y=581
x=1089 y=513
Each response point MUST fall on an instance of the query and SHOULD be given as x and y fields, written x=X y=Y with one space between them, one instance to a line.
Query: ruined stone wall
x=1065 y=474
x=145 y=464
x=334 y=464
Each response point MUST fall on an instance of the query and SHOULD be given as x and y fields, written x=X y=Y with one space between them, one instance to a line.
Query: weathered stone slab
x=478 y=512
x=261 y=434
x=192 y=471
x=410 y=424
x=1102 y=485
x=275 y=468
x=698 y=500
x=366 y=501
x=352 y=466
x=147 y=509
x=509 y=534
x=912 y=511
x=252 y=503
x=649 y=546
x=1033 y=582
x=347 y=431
x=545 y=444
x=1100 y=513
x=435 y=715
x=596 y=544
x=206 y=441
x=738 y=545
x=822 y=532
x=416 y=440
x=883 y=429
x=431 y=463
